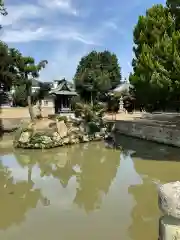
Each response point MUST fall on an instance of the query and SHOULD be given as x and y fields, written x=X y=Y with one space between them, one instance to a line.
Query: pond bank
x=151 y=130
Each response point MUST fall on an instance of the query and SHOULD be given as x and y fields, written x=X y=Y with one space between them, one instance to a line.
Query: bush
x=113 y=104
x=93 y=128
x=74 y=101
x=85 y=111
x=98 y=107
x=62 y=118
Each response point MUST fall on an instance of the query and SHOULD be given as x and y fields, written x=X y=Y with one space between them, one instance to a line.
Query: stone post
x=169 y=204
x=121 y=105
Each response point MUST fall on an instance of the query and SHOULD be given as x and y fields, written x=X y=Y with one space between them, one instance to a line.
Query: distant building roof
x=123 y=87
x=64 y=88
x=35 y=83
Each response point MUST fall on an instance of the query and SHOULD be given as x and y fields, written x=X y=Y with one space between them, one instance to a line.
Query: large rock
x=85 y=138
x=56 y=137
x=25 y=137
x=169 y=228
x=65 y=140
x=97 y=136
x=73 y=130
x=73 y=139
x=169 y=199
x=46 y=140
x=83 y=127
x=62 y=129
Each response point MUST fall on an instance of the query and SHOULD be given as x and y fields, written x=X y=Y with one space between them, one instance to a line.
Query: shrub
x=74 y=101
x=93 y=128
x=62 y=118
x=113 y=104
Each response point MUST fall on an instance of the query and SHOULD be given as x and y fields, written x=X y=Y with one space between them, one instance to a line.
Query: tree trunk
x=29 y=174
x=40 y=108
x=91 y=99
x=31 y=113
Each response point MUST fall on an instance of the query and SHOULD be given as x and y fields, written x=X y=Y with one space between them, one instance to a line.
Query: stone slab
x=169 y=199
x=169 y=228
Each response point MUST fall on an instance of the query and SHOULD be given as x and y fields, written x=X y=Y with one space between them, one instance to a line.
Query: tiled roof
x=64 y=88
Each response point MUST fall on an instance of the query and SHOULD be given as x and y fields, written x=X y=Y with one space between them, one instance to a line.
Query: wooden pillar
x=56 y=105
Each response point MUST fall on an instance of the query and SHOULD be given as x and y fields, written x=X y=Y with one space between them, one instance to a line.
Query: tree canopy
x=156 y=62
x=97 y=72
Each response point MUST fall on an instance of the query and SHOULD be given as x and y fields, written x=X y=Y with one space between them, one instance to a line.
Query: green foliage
x=156 y=64
x=62 y=118
x=20 y=96
x=74 y=101
x=112 y=103
x=96 y=74
x=8 y=70
x=43 y=91
x=93 y=128
x=174 y=7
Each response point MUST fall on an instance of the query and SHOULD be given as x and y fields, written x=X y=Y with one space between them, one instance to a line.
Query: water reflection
x=16 y=198
x=94 y=173
x=84 y=191
x=95 y=178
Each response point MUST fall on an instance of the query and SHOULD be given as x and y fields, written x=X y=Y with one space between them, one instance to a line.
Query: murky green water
x=84 y=191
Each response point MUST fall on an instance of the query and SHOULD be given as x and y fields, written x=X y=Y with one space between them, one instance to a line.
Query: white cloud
x=46 y=21
x=111 y=24
x=43 y=9
x=46 y=34
x=19 y=13
x=28 y=22
x=63 y=5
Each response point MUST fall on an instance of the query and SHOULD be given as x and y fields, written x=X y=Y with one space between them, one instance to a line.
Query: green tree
x=20 y=96
x=29 y=70
x=43 y=91
x=97 y=72
x=156 y=63
x=174 y=7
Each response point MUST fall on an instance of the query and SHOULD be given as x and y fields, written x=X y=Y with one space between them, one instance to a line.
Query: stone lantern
x=169 y=204
x=121 y=105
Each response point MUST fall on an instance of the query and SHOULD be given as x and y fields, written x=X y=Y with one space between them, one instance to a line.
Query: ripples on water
x=84 y=191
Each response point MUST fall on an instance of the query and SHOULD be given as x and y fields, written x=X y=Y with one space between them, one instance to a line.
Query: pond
x=84 y=191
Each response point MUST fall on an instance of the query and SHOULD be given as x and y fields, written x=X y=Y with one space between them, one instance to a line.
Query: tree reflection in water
x=96 y=170
x=16 y=198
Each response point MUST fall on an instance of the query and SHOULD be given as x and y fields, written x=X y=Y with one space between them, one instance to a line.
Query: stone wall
x=167 y=134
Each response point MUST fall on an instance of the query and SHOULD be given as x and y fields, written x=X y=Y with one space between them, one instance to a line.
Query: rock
x=73 y=139
x=62 y=129
x=25 y=137
x=103 y=131
x=76 y=120
x=169 y=199
x=73 y=129
x=97 y=136
x=85 y=138
x=37 y=145
x=65 y=140
x=169 y=228
x=83 y=127
x=56 y=137
x=46 y=139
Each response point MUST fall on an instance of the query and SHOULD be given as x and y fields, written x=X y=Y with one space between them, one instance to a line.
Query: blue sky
x=62 y=31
